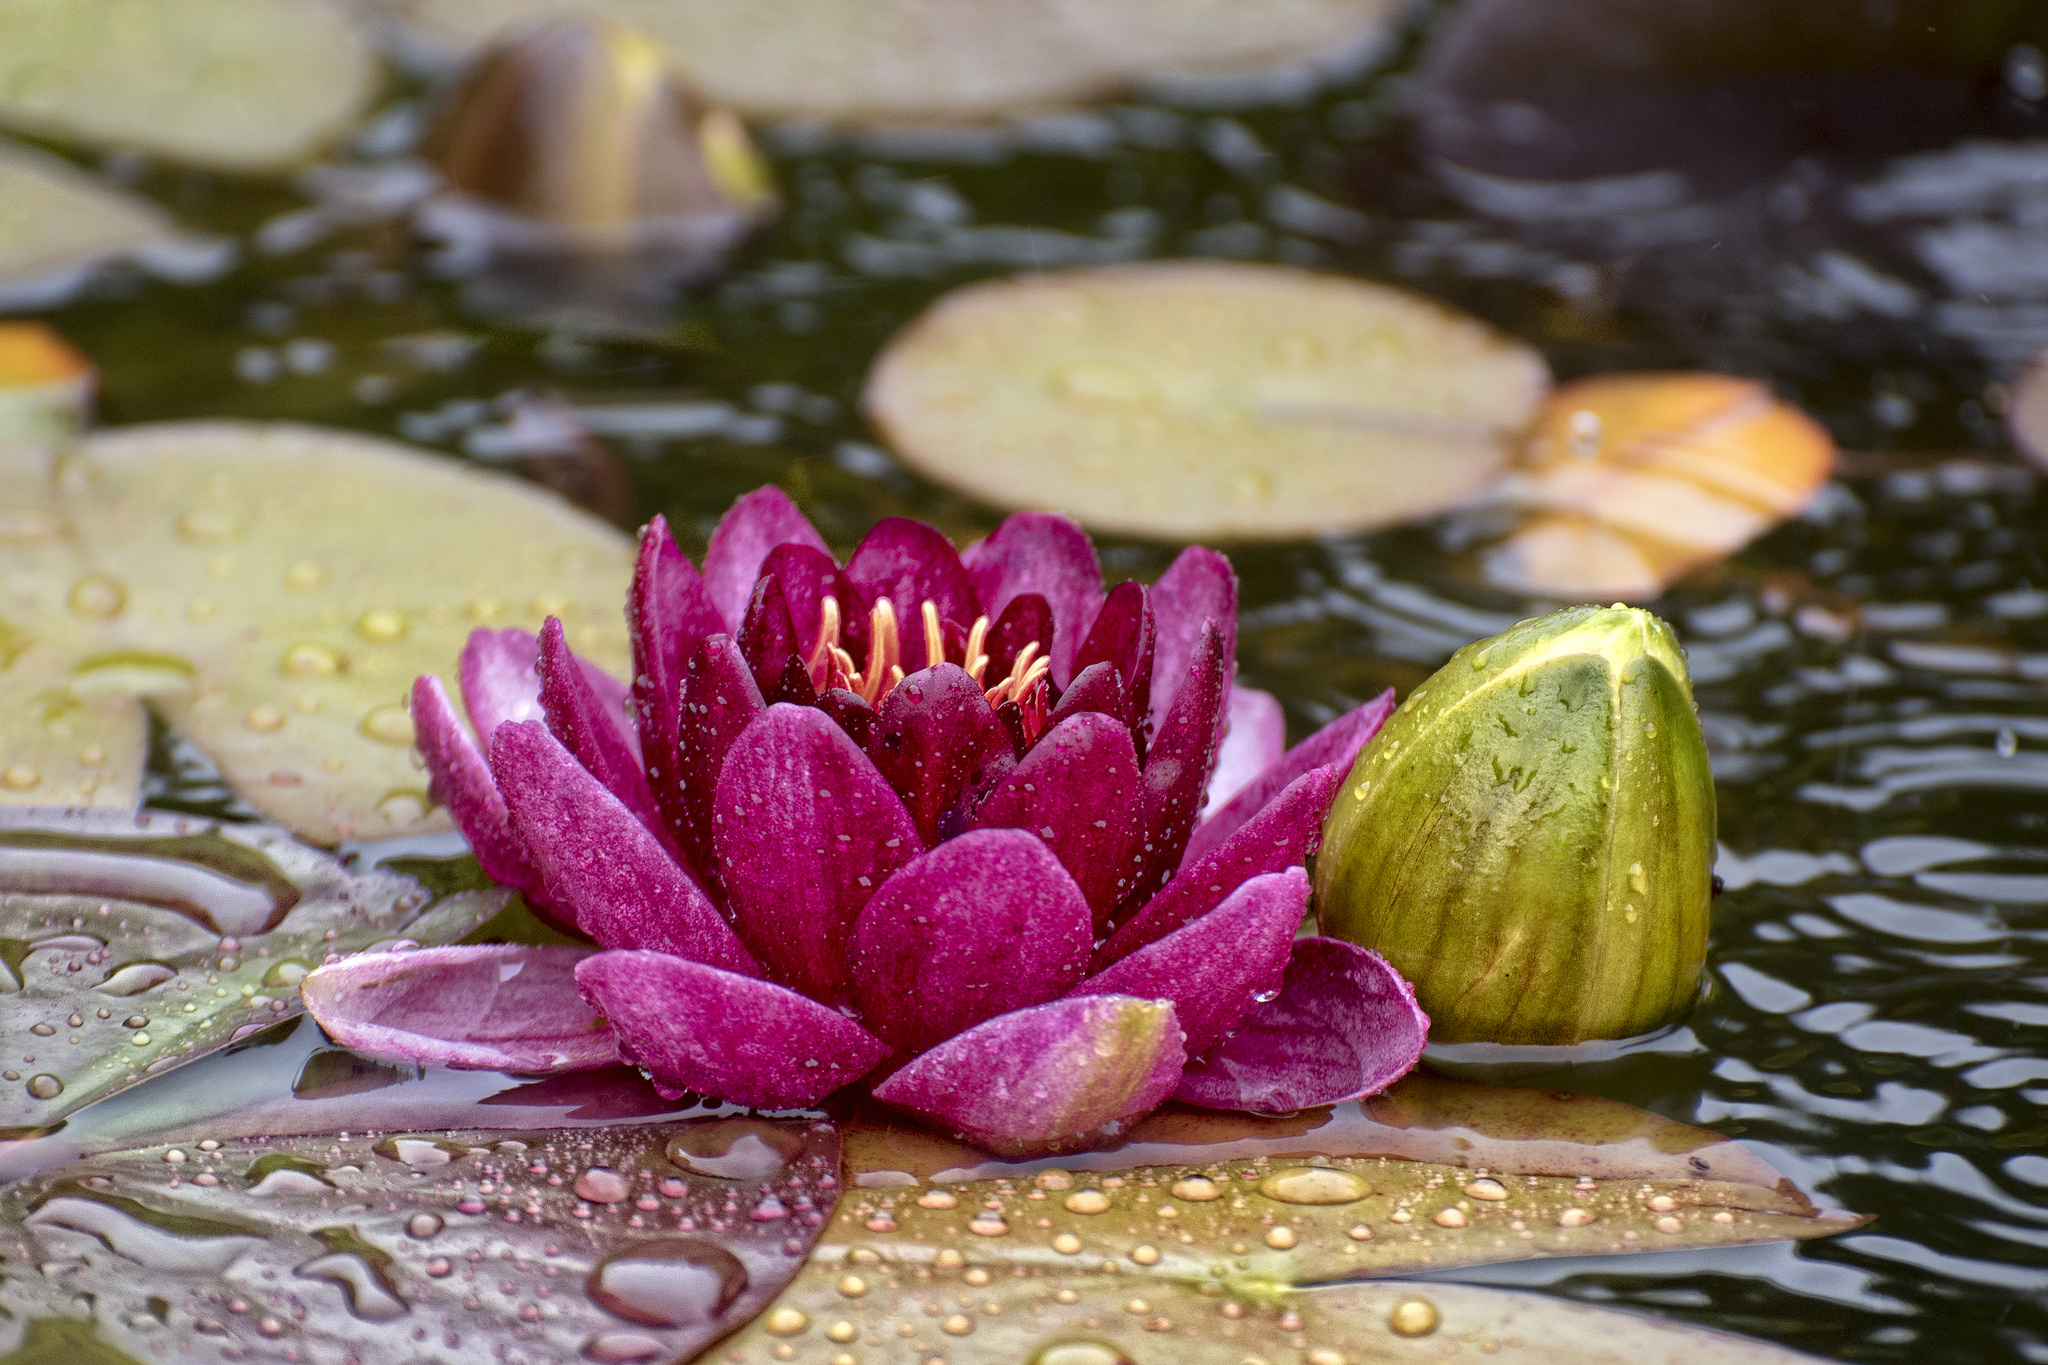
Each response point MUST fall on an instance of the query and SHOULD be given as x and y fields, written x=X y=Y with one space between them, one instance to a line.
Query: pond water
x=1871 y=678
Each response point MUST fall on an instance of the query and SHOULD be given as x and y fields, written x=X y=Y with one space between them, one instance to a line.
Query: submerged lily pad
x=624 y=1244
x=976 y=1307
x=1631 y=481
x=925 y=60
x=132 y=943
x=56 y=748
x=276 y=589
x=57 y=221
x=241 y=85
x=1205 y=400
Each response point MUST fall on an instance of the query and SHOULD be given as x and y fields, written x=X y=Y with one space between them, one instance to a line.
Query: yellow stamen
x=1030 y=679
x=883 y=649
x=934 y=636
x=977 y=662
x=1023 y=664
x=824 y=652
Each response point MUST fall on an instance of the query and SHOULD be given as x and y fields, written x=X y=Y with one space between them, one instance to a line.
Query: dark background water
x=1852 y=207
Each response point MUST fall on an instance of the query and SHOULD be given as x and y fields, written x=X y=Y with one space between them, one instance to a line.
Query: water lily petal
x=462 y=782
x=1095 y=688
x=1344 y=1026
x=981 y=925
x=496 y=1007
x=1254 y=738
x=808 y=576
x=1079 y=790
x=1216 y=969
x=598 y=862
x=754 y=526
x=1336 y=744
x=693 y=1027
x=590 y=730
x=852 y=713
x=1282 y=835
x=668 y=615
x=933 y=737
x=1027 y=620
x=1058 y=1076
x=1199 y=586
x=1047 y=554
x=719 y=701
x=805 y=830
x=500 y=674
x=911 y=563
x=1178 y=765
x=768 y=641
x=1123 y=634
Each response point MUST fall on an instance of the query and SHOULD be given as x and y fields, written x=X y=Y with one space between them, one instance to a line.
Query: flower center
x=831 y=665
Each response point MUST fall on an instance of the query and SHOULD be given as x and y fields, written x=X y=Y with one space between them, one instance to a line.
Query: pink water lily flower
x=926 y=820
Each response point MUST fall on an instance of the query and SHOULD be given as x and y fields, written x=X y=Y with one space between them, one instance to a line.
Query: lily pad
x=242 y=85
x=633 y=1243
x=1066 y=1315
x=1205 y=400
x=132 y=943
x=56 y=748
x=903 y=61
x=1631 y=481
x=57 y=221
x=280 y=587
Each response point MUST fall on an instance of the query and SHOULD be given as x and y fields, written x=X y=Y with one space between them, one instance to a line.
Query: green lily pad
x=623 y=1244
x=57 y=748
x=242 y=85
x=1203 y=400
x=976 y=1307
x=275 y=590
x=904 y=61
x=56 y=220
x=130 y=944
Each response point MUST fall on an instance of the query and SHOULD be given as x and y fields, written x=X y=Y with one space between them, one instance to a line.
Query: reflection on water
x=1873 y=680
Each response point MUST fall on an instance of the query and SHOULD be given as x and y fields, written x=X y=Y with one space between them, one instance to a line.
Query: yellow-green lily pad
x=903 y=61
x=130 y=944
x=242 y=85
x=275 y=590
x=977 y=1307
x=56 y=747
x=1202 y=400
x=57 y=220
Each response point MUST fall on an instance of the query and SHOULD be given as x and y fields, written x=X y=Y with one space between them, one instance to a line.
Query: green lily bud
x=1530 y=840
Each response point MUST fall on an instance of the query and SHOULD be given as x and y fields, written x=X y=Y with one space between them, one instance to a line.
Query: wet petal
x=1123 y=635
x=768 y=641
x=1336 y=744
x=693 y=1027
x=805 y=829
x=1059 y=1076
x=1253 y=740
x=498 y=1007
x=598 y=862
x=590 y=729
x=852 y=713
x=668 y=615
x=1199 y=586
x=911 y=563
x=1178 y=766
x=1216 y=969
x=756 y=524
x=1027 y=620
x=500 y=675
x=1047 y=554
x=1282 y=835
x=933 y=736
x=808 y=576
x=1079 y=790
x=719 y=701
x=1096 y=688
x=981 y=925
x=462 y=782
x=1344 y=1026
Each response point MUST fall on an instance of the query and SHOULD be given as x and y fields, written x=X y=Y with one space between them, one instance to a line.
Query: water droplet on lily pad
x=670 y=1283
